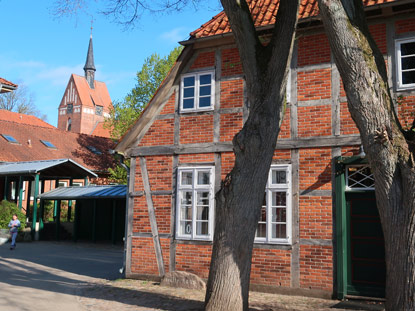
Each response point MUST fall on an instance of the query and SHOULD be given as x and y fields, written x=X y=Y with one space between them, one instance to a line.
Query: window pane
x=185 y=227
x=204 y=90
x=203 y=198
x=189 y=92
x=202 y=228
x=279 y=198
x=261 y=231
x=408 y=62
x=202 y=213
x=408 y=48
x=279 y=231
x=205 y=79
x=279 y=215
x=204 y=102
x=279 y=177
x=263 y=216
x=187 y=178
x=408 y=77
x=203 y=178
x=186 y=198
x=189 y=81
x=188 y=103
x=186 y=213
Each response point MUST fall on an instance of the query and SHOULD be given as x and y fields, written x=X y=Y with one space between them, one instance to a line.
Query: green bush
x=7 y=209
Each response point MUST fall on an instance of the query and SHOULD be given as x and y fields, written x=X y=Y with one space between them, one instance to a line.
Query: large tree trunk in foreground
x=238 y=203
x=389 y=148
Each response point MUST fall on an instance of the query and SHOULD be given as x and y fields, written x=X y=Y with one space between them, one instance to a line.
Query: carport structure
x=99 y=211
x=39 y=172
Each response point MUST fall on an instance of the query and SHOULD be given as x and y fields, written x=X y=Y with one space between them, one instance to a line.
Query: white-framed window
x=77 y=184
x=195 y=197
x=274 y=225
x=405 y=61
x=197 y=91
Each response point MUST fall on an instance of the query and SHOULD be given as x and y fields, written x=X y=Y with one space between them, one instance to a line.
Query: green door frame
x=341 y=221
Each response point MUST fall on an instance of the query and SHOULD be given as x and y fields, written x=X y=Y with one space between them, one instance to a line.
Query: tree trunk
x=387 y=145
x=238 y=202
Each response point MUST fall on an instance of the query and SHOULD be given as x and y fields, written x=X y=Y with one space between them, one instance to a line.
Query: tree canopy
x=149 y=78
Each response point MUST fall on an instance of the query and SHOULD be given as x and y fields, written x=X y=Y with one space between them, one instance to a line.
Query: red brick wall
x=406 y=25
x=160 y=172
x=161 y=132
x=406 y=111
x=315 y=169
x=271 y=267
x=232 y=94
x=196 y=129
x=378 y=33
x=313 y=49
x=316 y=267
x=231 y=63
x=169 y=107
x=347 y=125
x=285 y=130
x=204 y=59
x=143 y=259
x=314 y=121
x=228 y=161
x=194 y=259
x=314 y=84
x=315 y=218
x=197 y=158
x=230 y=124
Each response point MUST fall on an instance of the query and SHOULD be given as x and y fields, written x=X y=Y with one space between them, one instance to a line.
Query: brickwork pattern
x=196 y=129
x=285 y=130
x=231 y=63
x=347 y=125
x=314 y=121
x=170 y=105
x=378 y=33
x=316 y=267
x=406 y=25
x=313 y=49
x=197 y=158
x=315 y=169
x=316 y=218
x=143 y=259
x=406 y=111
x=232 y=94
x=161 y=132
x=160 y=172
x=314 y=84
x=193 y=258
x=204 y=60
x=230 y=125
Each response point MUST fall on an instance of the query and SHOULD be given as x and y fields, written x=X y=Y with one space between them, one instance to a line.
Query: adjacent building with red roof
x=86 y=102
x=6 y=115
x=319 y=231
x=6 y=86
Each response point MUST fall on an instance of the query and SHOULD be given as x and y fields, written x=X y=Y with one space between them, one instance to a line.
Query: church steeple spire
x=89 y=67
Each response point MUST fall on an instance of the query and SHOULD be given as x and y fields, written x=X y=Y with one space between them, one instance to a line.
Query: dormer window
x=10 y=139
x=93 y=149
x=48 y=144
x=197 y=92
x=99 y=110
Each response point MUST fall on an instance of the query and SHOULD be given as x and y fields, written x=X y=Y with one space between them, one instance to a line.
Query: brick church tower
x=86 y=102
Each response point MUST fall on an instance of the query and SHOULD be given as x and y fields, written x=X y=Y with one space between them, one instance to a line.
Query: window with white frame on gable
x=405 y=61
x=197 y=91
x=194 y=214
x=274 y=225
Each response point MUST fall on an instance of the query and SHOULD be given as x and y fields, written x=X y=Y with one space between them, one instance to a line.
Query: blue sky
x=42 y=51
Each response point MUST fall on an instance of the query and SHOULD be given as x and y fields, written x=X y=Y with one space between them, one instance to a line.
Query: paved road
x=49 y=275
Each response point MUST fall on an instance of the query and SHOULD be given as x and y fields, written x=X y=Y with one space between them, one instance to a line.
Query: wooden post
x=78 y=205
x=20 y=192
x=114 y=223
x=34 y=220
x=152 y=216
x=94 y=220
x=16 y=191
x=29 y=193
x=86 y=181
x=58 y=220
x=6 y=187
x=41 y=212
x=55 y=207
x=68 y=218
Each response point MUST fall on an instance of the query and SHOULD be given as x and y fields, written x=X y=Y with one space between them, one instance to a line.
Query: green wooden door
x=366 y=251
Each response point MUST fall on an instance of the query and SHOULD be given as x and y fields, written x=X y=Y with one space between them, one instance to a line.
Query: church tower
x=86 y=102
x=89 y=67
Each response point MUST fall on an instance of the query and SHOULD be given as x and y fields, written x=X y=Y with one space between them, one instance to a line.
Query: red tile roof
x=263 y=14
x=99 y=95
x=6 y=115
x=99 y=130
x=5 y=82
x=68 y=145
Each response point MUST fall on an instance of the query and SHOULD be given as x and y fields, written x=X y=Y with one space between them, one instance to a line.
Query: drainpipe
x=127 y=199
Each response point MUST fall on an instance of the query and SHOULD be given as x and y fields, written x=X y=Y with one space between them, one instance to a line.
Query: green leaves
x=149 y=78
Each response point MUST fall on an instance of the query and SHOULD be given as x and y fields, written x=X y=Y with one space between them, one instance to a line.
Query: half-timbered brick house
x=319 y=233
